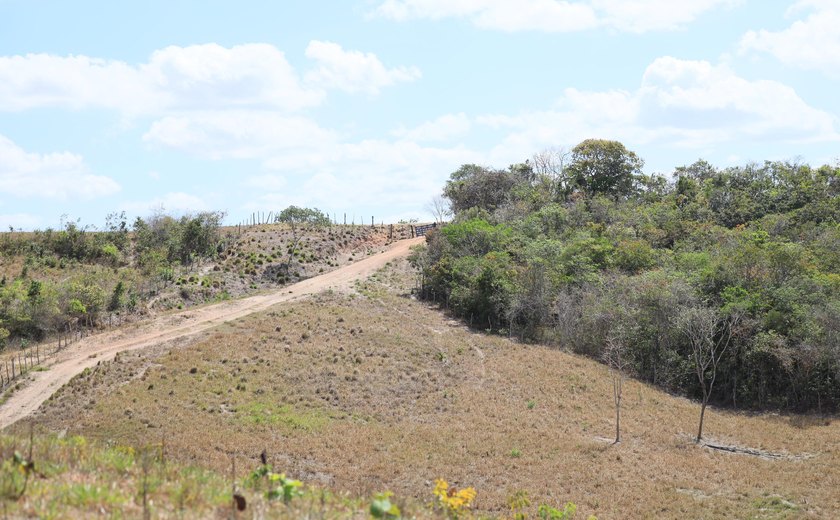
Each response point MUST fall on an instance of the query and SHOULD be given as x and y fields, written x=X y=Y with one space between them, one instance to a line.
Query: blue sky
x=364 y=107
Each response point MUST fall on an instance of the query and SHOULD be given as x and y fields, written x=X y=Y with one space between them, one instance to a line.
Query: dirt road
x=102 y=347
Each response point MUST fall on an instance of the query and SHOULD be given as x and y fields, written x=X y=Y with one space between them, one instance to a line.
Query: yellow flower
x=440 y=488
x=467 y=495
x=454 y=500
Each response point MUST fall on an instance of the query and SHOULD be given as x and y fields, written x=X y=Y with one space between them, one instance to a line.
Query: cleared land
x=373 y=390
x=96 y=349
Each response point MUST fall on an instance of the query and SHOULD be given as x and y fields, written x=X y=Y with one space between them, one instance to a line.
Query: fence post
x=13 y=367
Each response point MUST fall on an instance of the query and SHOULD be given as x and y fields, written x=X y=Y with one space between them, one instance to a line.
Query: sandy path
x=87 y=352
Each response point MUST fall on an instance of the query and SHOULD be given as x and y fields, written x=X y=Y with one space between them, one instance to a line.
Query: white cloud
x=556 y=15
x=443 y=128
x=267 y=183
x=353 y=71
x=236 y=134
x=75 y=82
x=175 y=78
x=713 y=98
x=654 y=15
x=52 y=176
x=23 y=221
x=545 y=15
x=310 y=166
x=679 y=102
x=809 y=43
x=369 y=173
x=198 y=78
x=212 y=76
x=171 y=203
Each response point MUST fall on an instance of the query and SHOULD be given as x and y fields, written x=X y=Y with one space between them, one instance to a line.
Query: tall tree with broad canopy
x=601 y=167
x=473 y=186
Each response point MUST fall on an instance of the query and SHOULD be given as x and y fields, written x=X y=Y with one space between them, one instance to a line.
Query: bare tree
x=551 y=165
x=440 y=208
x=709 y=334
x=617 y=356
x=566 y=313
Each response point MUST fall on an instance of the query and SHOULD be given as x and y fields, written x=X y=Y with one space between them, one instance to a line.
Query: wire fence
x=261 y=218
x=19 y=361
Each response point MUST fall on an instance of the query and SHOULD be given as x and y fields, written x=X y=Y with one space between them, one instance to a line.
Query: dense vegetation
x=582 y=249
x=86 y=273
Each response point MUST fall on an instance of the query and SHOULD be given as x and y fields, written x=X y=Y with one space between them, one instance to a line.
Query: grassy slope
x=376 y=391
x=74 y=478
x=253 y=262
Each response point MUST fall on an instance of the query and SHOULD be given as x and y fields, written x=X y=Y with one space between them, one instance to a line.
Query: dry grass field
x=372 y=391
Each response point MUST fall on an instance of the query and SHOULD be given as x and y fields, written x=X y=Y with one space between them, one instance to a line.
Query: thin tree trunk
x=702 y=415
x=617 y=383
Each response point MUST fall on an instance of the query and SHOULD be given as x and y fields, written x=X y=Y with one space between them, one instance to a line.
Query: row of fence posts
x=27 y=358
x=19 y=364
x=259 y=218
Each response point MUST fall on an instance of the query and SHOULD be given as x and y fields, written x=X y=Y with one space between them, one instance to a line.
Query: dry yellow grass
x=376 y=391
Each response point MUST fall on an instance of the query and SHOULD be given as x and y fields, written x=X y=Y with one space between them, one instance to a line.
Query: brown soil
x=91 y=351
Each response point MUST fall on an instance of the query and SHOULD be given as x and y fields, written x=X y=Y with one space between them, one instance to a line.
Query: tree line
x=581 y=249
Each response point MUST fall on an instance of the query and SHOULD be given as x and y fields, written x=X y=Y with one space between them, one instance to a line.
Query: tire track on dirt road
x=103 y=347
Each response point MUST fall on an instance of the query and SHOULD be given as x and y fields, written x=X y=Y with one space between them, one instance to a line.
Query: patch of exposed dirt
x=91 y=351
x=755 y=452
x=273 y=255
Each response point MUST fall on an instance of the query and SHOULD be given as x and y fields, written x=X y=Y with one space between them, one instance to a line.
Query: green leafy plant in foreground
x=382 y=507
x=16 y=472
x=546 y=512
x=279 y=485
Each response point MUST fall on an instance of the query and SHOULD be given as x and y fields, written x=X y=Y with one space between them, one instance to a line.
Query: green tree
x=117 y=297
x=605 y=167
x=473 y=186
x=4 y=334
x=294 y=215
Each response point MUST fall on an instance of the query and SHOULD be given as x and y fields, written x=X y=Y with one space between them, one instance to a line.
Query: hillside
x=23 y=395
x=585 y=251
x=372 y=390
x=74 y=281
